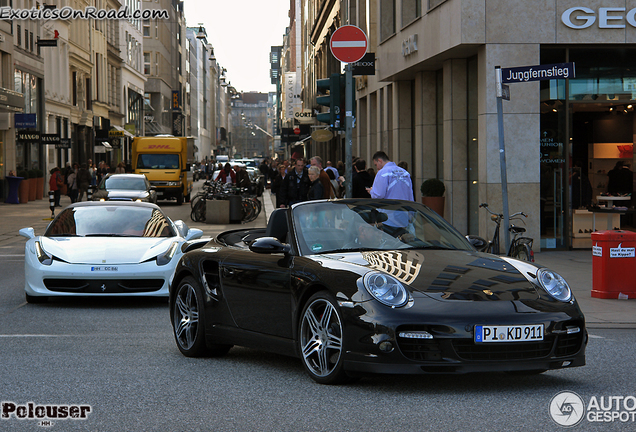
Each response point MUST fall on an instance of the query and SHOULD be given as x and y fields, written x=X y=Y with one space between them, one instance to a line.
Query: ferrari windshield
x=111 y=221
x=355 y=225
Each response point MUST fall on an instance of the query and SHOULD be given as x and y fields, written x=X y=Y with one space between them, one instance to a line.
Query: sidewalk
x=575 y=266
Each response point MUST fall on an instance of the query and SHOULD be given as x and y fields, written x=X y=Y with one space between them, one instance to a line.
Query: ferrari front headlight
x=43 y=257
x=554 y=284
x=386 y=289
x=165 y=258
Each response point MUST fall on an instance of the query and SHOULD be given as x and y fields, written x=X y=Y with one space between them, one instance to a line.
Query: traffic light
x=329 y=88
x=333 y=92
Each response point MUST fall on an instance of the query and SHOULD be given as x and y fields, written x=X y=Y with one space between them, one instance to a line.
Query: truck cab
x=165 y=161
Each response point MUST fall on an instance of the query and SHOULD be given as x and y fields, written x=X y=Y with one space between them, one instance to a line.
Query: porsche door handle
x=227 y=272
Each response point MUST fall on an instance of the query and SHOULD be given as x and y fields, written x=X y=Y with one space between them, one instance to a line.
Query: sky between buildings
x=242 y=33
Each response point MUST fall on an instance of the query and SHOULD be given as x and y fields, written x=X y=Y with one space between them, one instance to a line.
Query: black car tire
x=180 y=198
x=188 y=322
x=36 y=299
x=320 y=340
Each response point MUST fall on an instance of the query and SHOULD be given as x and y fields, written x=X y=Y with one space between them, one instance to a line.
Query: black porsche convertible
x=361 y=286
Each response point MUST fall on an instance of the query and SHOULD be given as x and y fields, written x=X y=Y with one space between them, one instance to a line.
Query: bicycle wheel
x=522 y=252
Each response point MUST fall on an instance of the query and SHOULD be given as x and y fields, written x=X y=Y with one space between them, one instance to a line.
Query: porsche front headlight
x=165 y=258
x=43 y=257
x=386 y=289
x=554 y=284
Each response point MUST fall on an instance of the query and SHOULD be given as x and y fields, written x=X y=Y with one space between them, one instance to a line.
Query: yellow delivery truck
x=165 y=160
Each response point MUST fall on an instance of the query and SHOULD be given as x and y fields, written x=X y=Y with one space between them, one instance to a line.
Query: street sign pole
x=348 y=131
x=348 y=44
x=502 y=161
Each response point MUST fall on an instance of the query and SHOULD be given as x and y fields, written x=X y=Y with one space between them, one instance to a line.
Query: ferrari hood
x=448 y=275
x=105 y=250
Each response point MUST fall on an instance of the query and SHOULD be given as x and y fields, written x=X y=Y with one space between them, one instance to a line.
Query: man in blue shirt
x=391 y=181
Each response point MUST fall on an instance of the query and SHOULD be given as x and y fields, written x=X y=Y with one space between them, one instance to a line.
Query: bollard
x=89 y=194
x=52 y=203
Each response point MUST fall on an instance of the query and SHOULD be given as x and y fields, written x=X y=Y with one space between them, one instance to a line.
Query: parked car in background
x=246 y=162
x=363 y=286
x=125 y=187
x=100 y=249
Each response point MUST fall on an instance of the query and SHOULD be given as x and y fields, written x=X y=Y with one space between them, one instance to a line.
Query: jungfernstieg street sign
x=348 y=44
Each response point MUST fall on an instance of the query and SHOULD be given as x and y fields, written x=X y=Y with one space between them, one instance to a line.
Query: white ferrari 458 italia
x=105 y=249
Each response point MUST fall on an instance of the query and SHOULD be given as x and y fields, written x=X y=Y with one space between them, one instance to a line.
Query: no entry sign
x=348 y=44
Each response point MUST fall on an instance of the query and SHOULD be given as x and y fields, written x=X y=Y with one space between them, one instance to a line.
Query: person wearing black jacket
x=277 y=182
x=361 y=180
x=296 y=185
x=316 y=190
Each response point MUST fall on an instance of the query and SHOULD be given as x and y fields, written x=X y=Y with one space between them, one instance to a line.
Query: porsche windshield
x=363 y=225
x=111 y=221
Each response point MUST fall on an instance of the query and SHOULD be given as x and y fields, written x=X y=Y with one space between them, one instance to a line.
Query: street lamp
x=201 y=34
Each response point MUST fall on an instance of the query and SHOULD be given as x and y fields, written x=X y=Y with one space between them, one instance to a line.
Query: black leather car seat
x=277 y=225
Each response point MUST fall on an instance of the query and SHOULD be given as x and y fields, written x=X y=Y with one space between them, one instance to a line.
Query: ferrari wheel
x=188 y=322
x=321 y=339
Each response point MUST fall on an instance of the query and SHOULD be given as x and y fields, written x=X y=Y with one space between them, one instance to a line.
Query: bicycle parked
x=520 y=247
x=250 y=205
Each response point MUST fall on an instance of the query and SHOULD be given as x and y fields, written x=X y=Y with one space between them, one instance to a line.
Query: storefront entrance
x=587 y=136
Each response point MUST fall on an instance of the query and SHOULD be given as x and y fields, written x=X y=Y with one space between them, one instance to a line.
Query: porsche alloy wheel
x=188 y=322
x=320 y=340
x=185 y=319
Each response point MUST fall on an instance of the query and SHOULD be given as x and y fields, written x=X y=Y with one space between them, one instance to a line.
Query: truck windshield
x=158 y=161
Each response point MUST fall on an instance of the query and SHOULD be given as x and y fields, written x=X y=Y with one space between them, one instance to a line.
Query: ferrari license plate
x=519 y=333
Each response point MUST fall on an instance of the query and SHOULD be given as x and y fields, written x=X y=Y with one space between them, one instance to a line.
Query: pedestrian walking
x=323 y=177
x=55 y=184
x=316 y=189
x=361 y=181
x=391 y=181
x=296 y=185
x=83 y=182
x=71 y=181
x=277 y=183
x=227 y=175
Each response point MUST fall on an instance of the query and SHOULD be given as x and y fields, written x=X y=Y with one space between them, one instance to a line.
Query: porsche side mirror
x=268 y=245
x=478 y=243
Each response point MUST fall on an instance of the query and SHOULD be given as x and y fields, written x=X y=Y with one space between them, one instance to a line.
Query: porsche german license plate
x=520 y=333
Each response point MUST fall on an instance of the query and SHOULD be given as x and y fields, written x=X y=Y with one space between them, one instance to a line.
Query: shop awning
x=121 y=129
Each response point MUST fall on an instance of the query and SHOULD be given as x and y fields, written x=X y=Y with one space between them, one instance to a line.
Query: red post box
x=613 y=264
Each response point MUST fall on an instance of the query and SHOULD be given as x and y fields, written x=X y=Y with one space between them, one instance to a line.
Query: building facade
x=433 y=104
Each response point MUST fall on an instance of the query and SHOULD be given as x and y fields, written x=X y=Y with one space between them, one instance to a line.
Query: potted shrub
x=39 y=188
x=23 y=189
x=33 y=182
x=433 y=195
